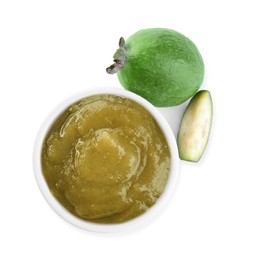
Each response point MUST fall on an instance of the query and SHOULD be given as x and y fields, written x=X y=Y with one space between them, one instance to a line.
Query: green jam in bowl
x=105 y=159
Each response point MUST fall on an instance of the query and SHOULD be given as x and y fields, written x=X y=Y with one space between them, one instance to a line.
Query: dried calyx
x=119 y=58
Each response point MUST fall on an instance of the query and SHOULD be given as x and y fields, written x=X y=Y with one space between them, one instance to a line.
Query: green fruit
x=195 y=127
x=160 y=65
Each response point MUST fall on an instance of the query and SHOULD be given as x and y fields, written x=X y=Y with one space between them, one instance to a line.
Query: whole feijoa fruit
x=161 y=65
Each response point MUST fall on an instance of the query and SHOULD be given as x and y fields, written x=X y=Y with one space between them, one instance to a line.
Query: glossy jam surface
x=105 y=159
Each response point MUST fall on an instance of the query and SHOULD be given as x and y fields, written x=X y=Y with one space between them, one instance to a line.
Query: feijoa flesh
x=161 y=65
x=195 y=127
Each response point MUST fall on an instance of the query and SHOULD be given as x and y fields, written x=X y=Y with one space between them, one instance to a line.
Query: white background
x=51 y=49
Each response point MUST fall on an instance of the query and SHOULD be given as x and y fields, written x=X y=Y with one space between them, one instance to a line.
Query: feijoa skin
x=161 y=65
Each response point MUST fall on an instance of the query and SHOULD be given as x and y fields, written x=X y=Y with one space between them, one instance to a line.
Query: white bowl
x=139 y=221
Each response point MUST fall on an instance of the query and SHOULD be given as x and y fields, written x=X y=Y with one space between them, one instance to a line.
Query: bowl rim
x=137 y=222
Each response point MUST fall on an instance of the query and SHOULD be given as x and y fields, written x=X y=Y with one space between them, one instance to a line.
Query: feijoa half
x=161 y=65
x=195 y=127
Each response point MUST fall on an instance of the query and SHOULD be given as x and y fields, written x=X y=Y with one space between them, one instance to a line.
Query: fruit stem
x=119 y=58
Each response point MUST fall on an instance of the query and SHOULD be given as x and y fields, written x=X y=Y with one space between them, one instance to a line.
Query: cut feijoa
x=195 y=127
